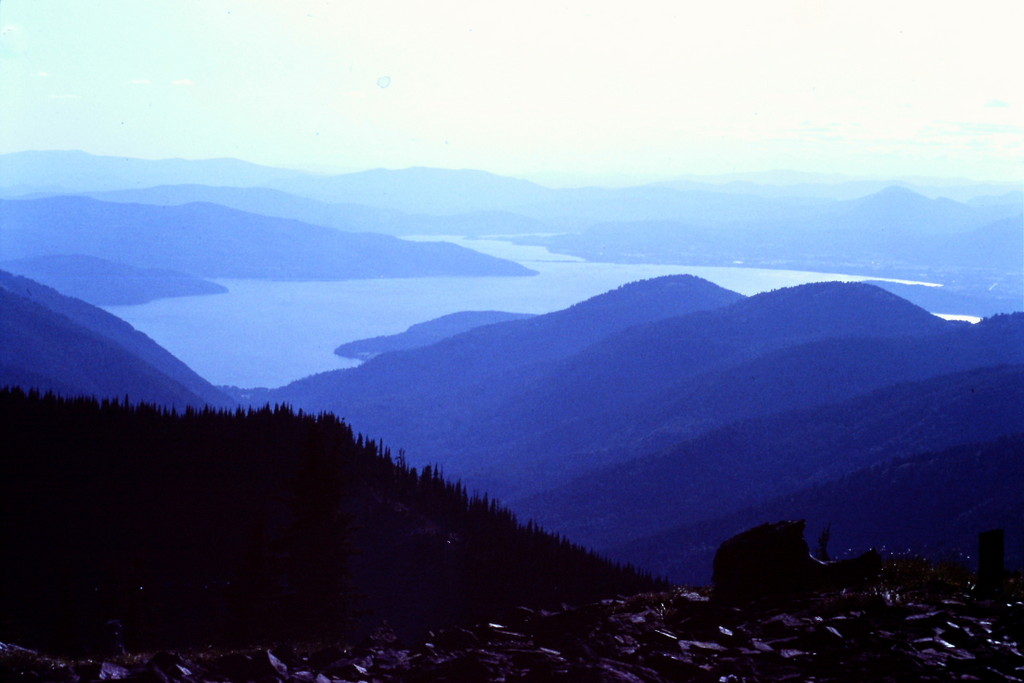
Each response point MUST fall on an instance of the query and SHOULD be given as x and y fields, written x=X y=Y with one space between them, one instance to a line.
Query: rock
x=103 y=671
x=771 y=559
x=455 y=639
x=262 y=666
x=327 y=656
x=677 y=669
x=774 y=560
x=852 y=573
x=652 y=638
x=172 y=668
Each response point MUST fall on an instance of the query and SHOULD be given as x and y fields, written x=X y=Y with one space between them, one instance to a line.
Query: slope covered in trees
x=744 y=463
x=585 y=378
x=484 y=357
x=216 y=526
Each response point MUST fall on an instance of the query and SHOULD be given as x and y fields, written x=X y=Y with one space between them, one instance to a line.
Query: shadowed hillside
x=143 y=515
x=54 y=342
x=933 y=505
x=582 y=377
x=738 y=465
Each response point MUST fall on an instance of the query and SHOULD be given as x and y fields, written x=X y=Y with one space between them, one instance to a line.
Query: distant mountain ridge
x=258 y=200
x=209 y=240
x=975 y=251
x=76 y=171
x=892 y=222
x=421 y=190
x=835 y=186
x=352 y=217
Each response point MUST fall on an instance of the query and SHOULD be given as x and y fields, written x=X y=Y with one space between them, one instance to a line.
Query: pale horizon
x=556 y=179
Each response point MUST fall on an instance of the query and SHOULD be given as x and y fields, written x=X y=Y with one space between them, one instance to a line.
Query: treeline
x=254 y=525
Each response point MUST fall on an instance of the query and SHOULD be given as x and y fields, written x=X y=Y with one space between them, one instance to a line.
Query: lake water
x=264 y=333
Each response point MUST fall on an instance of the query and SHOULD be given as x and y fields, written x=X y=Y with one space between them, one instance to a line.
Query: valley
x=572 y=391
x=529 y=342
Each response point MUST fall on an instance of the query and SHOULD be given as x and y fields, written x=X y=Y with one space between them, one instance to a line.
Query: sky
x=558 y=91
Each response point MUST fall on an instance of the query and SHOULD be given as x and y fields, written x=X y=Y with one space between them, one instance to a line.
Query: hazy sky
x=640 y=88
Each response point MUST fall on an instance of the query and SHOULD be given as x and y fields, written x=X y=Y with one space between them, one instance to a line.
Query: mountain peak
x=655 y=298
x=897 y=191
x=902 y=202
x=850 y=307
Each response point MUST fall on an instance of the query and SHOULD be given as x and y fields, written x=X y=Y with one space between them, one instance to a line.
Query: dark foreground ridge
x=876 y=634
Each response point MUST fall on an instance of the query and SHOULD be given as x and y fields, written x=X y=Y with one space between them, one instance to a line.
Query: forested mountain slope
x=476 y=357
x=747 y=462
x=579 y=381
x=250 y=526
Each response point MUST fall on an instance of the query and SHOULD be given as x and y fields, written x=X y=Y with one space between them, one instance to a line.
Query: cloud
x=42 y=74
x=65 y=96
x=140 y=81
x=183 y=81
x=999 y=104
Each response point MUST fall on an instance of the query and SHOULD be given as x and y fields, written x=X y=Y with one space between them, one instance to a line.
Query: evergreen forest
x=238 y=527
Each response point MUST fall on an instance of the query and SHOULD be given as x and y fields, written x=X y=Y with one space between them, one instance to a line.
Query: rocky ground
x=871 y=635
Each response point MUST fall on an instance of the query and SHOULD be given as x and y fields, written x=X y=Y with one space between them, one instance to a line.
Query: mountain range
x=969 y=240
x=687 y=416
x=592 y=394
x=895 y=230
x=742 y=463
x=421 y=190
x=649 y=422
x=459 y=382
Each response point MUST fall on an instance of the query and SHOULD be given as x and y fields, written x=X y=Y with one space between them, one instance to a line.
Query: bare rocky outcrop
x=773 y=559
x=652 y=638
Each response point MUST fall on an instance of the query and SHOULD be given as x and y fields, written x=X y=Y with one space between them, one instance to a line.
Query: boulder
x=260 y=666
x=773 y=559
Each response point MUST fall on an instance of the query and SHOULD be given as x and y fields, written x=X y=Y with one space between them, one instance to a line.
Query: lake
x=265 y=333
